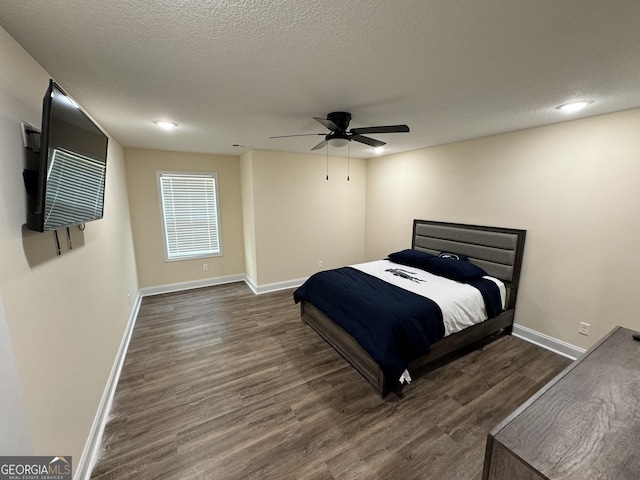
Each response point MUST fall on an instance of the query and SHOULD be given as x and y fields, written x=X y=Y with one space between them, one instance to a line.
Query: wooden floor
x=219 y=383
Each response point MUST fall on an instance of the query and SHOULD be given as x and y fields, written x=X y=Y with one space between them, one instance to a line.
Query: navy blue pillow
x=453 y=256
x=411 y=258
x=460 y=271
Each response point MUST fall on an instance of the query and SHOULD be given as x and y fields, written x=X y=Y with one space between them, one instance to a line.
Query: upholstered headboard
x=497 y=250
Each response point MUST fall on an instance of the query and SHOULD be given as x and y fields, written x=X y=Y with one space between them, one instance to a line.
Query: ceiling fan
x=339 y=136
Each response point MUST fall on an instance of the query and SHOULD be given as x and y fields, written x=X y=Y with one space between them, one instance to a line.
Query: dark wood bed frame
x=497 y=250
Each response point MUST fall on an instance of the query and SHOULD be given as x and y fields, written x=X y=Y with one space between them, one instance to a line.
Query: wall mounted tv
x=66 y=187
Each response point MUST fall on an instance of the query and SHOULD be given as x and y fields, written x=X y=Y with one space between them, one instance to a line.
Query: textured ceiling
x=238 y=72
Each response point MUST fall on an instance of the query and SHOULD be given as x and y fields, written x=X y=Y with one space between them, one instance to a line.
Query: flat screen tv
x=68 y=186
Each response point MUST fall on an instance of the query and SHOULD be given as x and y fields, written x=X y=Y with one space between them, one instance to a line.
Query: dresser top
x=585 y=424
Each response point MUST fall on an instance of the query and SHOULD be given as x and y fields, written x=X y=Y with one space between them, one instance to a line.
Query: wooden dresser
x=583 y=425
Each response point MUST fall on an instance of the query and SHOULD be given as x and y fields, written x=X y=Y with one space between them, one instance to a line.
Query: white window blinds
x=189 y=204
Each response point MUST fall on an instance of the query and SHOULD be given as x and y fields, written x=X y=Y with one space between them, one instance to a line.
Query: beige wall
x=248 y=217
x=65 y=315
x=280 y=217
x=153 y=270
x=299 y=217
x=573 y=186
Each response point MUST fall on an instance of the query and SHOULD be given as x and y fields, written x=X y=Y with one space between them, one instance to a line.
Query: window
x=189 y=207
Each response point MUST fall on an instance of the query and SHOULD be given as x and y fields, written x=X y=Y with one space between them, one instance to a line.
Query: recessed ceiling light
x=166 y=125
x=378 y=150
x=573 y=106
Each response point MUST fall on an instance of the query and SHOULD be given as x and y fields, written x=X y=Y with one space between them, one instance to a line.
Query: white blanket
x=462 y=305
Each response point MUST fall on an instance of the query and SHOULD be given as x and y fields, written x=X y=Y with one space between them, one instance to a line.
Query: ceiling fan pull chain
x=348 y=159
x=327 y=160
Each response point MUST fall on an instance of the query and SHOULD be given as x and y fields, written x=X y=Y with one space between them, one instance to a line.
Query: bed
x=497 y=251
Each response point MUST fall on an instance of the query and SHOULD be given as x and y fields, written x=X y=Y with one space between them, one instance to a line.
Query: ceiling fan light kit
x=338 y=141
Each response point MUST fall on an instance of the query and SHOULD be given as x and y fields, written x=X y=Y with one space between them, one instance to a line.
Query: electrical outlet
x=584 y=328
x=128 y=299
x=320 y=263
x=205 y=267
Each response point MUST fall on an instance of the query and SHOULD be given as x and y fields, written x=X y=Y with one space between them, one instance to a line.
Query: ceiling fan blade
x=327 y=123
x=320 y=145
x=298 y=135
x=381 y=129
x=368 y=141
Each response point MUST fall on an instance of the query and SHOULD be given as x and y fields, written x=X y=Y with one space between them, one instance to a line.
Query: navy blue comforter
x=393 y=325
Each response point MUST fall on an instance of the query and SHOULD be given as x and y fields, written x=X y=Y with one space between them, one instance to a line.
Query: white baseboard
x=178 y=287
x=210 y=282
x=92 y=447
x=273 y=287
x=558 y=346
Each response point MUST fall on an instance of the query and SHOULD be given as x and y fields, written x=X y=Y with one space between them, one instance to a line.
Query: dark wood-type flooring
x=219 y=383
